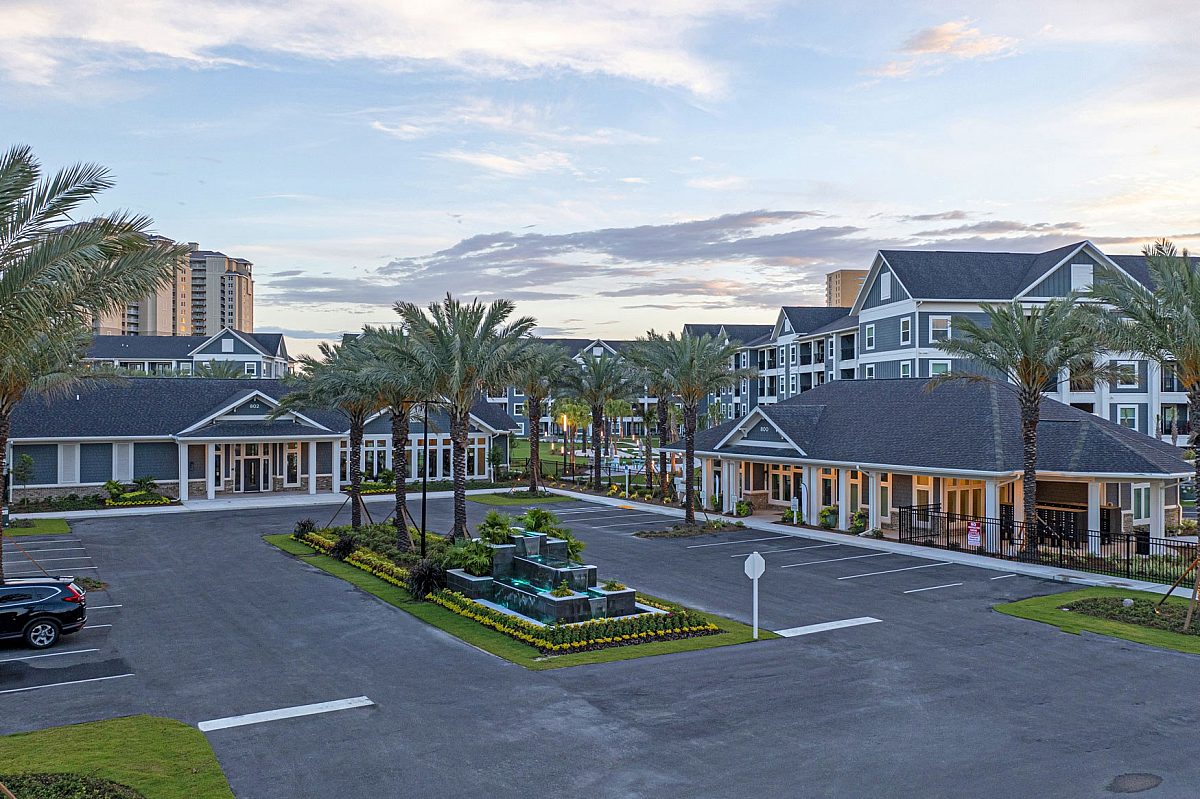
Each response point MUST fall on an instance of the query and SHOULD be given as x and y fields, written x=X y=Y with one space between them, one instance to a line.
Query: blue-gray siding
x=45 y=462
x=255 y=406
x=239 y=347
x=197 y=467
x=874 y=298
x=763 y=431
x=887 y=334
x=1058 y=282
x=923 y=324
x=156 y=459
x=95 y=463
x=1143 y=412
x=1142 y=376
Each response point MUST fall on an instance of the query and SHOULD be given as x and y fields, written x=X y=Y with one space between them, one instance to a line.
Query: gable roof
x=841 y=323
x=153 y=348
x=745 y=334
x=830 y=424
x=808 y=318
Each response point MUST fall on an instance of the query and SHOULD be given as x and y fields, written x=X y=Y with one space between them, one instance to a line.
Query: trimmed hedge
x=676 y=622
x=133 y=498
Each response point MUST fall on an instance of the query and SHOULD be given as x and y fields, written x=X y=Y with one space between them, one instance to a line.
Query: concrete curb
x=895 y=547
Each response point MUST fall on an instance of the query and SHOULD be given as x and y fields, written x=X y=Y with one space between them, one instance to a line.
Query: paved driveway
x=940 y=697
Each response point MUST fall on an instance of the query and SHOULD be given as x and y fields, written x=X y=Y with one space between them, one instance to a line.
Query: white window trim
x=936 y=363
x=869 y=337
x=869 y=371
x=885 y=286
x=906 y=330
x=1136 y=419
x=118 y=474
x=906 y=366
x=1135 y=490
x=226 y=345
x=251 y=368
x=949 y=328
x=65 y=476
x=1133 y=366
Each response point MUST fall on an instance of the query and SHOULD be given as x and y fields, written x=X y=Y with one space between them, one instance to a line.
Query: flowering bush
x=361 y=557
x=134 y=498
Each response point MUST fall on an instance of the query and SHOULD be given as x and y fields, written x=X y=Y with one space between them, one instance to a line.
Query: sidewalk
x=895 y=547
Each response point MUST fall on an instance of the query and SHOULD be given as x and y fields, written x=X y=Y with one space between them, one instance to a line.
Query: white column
x=1101 y=388
x=1094 y=490
x=337 y=466
x=1157 y=507
x=706 y=480
x=312 y=467
x=211 y=470
x=729 y=484
x=1154 y=388
x=873 y=500
x=991 y=509
x=1019 y=500
x=813 y=509
x=843 y=492
x=183 y=471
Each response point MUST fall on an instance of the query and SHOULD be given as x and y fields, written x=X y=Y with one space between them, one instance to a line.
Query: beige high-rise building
x=167 y=312
x=222 y=292
x=842 y=285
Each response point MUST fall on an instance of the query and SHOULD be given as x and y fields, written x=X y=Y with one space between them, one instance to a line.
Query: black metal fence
x=1058 y=543
x=581 y=471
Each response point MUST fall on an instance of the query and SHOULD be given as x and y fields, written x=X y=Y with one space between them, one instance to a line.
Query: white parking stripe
x=57 y=684
x=932 y=588
x=792 y=632
x=59 y=549
x=740 y=541
x=835 y=560
x=57 y=560
x=49 y=655
x=623 y=524
x=95 y=626
x=893 y=571
x=792 y=549
x=1001 y=577
x=103 y=607
x=284 y=713
x=38 y=573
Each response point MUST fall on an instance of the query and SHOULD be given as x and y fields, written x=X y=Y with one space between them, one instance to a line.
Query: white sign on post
x=974 y=534
x=755 y=566
x=795 y=509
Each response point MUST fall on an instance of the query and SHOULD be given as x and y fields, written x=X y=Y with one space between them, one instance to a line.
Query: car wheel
x=42 y=633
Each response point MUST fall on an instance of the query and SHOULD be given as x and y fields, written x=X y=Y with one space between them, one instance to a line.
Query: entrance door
x=251 y=474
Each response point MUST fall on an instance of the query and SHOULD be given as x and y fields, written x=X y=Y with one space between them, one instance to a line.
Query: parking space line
x=57 y=560
x=49 y=655
x=739 y=541
x=70 y=682
x=932 y=588
x=792 y=632
x=95 y=626
x=835 y=560
x=893 y=571
x=38 y=573
x=284 y=713
x=58 y=549
x=792 y=549
x=1001 y=577
x=623 y=524
x=103 y=607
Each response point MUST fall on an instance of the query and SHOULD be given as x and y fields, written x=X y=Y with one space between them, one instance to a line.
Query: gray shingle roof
x=747 y=333
x=841 y=323
x=957 y=426
x=167 y=347
x=808 y=318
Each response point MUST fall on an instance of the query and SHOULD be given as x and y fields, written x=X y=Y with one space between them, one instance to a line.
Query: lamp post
x=564 y=429
x=424 y=471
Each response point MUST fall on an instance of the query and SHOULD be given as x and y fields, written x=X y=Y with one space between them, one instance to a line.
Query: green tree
x=1026 y=350
x=465 y=350
x=615 y=410
x=543 y=371
x=642 y=354
x=59 y=271
x=598 y=381
x=22 y=470
x=575 y=412
x=338 y=380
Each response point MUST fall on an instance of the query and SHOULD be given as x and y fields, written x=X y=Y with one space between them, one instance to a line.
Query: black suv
x=41 y=609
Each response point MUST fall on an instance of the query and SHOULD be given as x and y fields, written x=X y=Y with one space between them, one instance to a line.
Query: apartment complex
x=222 y=292
x=167 y=312
x=842 y=285
x=262 y=355
x=907 y=305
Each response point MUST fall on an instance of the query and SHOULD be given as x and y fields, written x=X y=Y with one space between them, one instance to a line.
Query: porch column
x=312 y=467
x=210 y=471
x=1157 y=520
x=872 y=500
x=729 y=485
x=812 y=482
x=337 y=466
x=183 y=471
x=1093 y=516
x=843 y=493
x=991 y=509
x=1019 y=500
x=706 y=480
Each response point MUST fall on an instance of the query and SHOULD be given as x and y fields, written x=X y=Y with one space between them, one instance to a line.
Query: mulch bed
x=1141 y=613
x=685 y=531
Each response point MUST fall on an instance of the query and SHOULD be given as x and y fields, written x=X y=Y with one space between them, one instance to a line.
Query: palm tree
x=225 y=370
x=58 y=273
x=465 y=349
x=694 y=367
x=595 y=383
x=1026 y=350
x=543 y=371
x=339 y=380
x=401 y=386
x=576 y=414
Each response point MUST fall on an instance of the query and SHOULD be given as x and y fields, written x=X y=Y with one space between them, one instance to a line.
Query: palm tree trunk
x=533 y=412
x=689 y=473
x=1194 y=440
x=400 y=467
x=356 y=439
x=597 y=443
x=459 y=424
x=660 y=411
x=1030 y=410
x=5 y=429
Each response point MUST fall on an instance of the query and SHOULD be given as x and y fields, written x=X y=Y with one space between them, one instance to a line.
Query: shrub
x=386 y=476
x=344 y=547
x=715 y=502
x=496 y=527
x=114 y=489
x=305 y=526
x=742 y=508
x=425 y=578
x=613 y=585
x=146 y=484
x=563 y=590
x=540 y=520
x=828 y=517
x=473 y=557
x=575 y=547
x=789 y=517
x=859 y=520
x=66 y=786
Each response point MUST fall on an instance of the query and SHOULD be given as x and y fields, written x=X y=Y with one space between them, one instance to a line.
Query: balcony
x=847 y=354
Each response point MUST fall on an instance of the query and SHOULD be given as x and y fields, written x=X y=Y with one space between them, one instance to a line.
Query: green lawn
x=41 y=527
x=498 y=643
x=1046 y=609
x=505 y=499
x=161 y=758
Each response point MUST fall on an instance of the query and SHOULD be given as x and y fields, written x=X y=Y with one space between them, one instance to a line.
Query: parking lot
x=307 y=686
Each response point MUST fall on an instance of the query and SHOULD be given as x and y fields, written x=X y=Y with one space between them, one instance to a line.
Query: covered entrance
x=251 y=468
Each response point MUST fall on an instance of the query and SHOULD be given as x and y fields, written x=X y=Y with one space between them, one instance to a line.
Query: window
x=291 y=475
x=869 y=371
x=226 y=345
x=251 y=368
x=781 y=356
x=792 y=384
x=1081 y=277
x=939 y=328
x=829 y=347
x=869 y=337
x=597 y=351
x=1128 y=377
x=1127 y=416
x=519 y=409
x=185 y=367
x=938 y=368
x=885 y=286
x=1141 y=503
x=906 y=330
x=906 y=368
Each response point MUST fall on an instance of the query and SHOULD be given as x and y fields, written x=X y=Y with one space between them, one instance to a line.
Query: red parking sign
x=974 y=534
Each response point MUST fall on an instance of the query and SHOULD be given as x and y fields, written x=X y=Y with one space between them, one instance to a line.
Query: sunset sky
x=610 y=165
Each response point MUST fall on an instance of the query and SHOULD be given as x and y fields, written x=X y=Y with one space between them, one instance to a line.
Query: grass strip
x=40 y=527
x=160 y=758
x=498 y=643
x=1048 y=610
x=506 y=499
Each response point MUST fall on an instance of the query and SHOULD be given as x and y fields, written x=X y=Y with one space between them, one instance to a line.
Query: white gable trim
x=739 y=430
x=1092 y=250
x=876 y=266
x=239 y=401
x=249 y=342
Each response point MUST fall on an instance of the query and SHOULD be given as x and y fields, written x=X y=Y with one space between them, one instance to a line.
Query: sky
x=610 y=165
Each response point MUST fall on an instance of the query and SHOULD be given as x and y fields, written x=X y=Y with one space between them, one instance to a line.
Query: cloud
x=306 y=335
x=931 y=48
x=1000 y=226
x=403 y=131
x=43 y=43
x=940 y=215
x=512 y=166
x=638 y=181
x=718 y=184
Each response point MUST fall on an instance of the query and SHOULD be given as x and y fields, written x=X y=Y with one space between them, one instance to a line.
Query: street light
x=564 y=429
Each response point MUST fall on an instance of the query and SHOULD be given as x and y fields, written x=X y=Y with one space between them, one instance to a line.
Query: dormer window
x=1081 y=277
x=226 y=345
x=885 y=286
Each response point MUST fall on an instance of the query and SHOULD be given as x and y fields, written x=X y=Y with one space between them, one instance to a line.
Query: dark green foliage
x=344 y=547
x=496 y=527
x=858 y=521
x=114 y=489
x=74 y=502
x=66 y=786
x=146 y=484
x=473 y=557
x=575 y=547
x=1170 y=617
x=742 y=508
x=828 y=517
x=540 y=520
x=425 y=578
x=304 y=526
x=386 y=476
x=562 y=590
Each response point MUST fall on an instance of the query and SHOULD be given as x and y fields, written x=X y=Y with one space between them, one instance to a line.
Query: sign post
x=627 y=480
x=795 y=510
x=974 y=534
x=755 y=566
